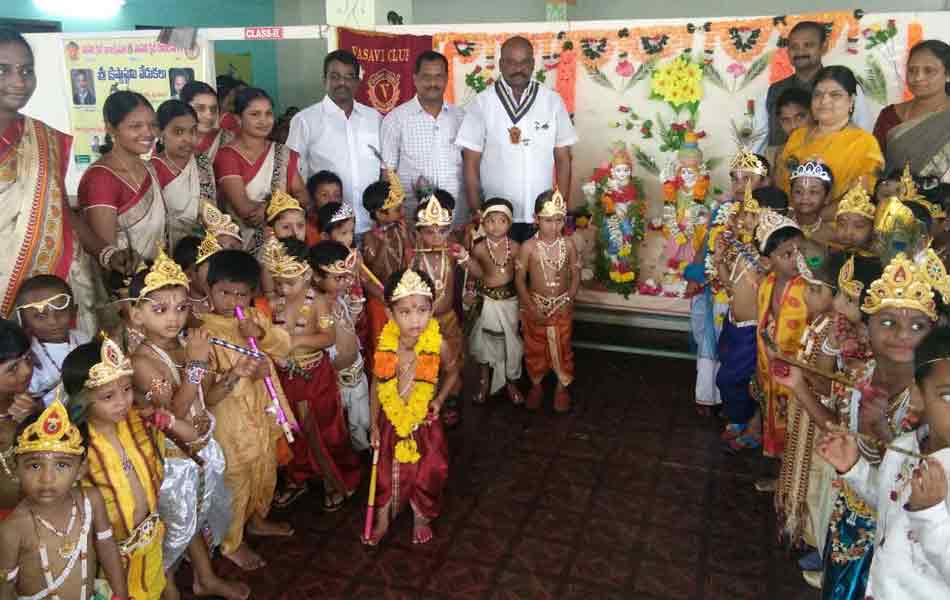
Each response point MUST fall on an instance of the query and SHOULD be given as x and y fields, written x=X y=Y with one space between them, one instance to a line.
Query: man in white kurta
x=418 y=137
x=514 y=137
x=339 y=134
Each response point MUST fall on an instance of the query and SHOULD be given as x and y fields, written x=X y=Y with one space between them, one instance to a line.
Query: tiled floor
x=629 y=497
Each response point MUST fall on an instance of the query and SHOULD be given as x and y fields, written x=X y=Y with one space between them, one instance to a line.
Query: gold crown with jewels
x=770 y=222
x=746 y=161
x=279 y=263
x=433 y=215
x=749 y=203
x=208 y=247
x=909 y=284
x=281 y=202
x=411 y=284
x=219 y=223
x=857 y=201
x=555 y=206
x=112 y=365
x=909 y=193
x=51 y=432
x=342 y=267
x=164 y=273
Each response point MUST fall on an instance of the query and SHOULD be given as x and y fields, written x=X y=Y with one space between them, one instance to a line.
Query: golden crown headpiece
x=208 y=247
x=746 y=161
x=619 y=155
x=909 y=284
x=112 y=365
x=433 y=215
x=749 y=203
x=164 y=273
x=812 y=168
x=396 y=193
x=554 y=206
x=343 y=213
x=909 y=193
x=281 y=201
x=342 y=267
x=770 y=222
x=857 y=202
x=279 y=263
x=51 y=432
x=846 y=281
x=219 y=223
x=411 y=284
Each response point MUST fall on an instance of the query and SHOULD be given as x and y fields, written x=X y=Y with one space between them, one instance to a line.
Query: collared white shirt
x=47 y=364
x=517 y=172
x=417 y=144
x=326 y=139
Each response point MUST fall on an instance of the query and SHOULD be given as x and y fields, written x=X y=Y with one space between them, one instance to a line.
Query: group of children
x=830 y=359
x=232 y=382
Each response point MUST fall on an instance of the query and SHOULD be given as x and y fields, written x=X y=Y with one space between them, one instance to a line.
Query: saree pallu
x=184 y=192
x=924 y=143
x=785 y=329
x=418 y=484
x=323 y=446
x=209 y=145
x=35 y=237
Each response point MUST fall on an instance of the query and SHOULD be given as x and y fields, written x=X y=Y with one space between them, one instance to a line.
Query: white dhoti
x=495 y=340
x=354 y=393
x=192 y=497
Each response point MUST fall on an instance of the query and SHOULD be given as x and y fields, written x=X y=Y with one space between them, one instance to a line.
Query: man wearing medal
x=515 y=134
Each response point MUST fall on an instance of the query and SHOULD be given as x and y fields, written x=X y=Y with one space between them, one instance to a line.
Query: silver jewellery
x=555 y=264
x=105 y=255
x=343 y=213
x=502 y=265
x=812 y=168
x=195 y=371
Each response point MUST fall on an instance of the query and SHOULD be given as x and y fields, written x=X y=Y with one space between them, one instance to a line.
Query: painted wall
x=206 y=13
x=501 y=11
x=300 y=62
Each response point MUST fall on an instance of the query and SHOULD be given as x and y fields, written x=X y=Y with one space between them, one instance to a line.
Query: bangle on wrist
x=106 y=254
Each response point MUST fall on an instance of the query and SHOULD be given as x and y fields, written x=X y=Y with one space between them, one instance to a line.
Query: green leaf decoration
x=644 y=71
x=714 y=162
x=540 y=76
x=756 y=68
x=598 y=77
x=645 y=161
x=874 y=82
x=713 y=76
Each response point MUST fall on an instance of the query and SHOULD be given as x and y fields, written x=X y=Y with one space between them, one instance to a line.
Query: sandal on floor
x=514 y=394
x=333 y=502
x=747 y=441
x=289 y=495
x=732 y=431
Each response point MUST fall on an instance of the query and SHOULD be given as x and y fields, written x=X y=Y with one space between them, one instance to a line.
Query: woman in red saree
x=918 y=131
x=119 y=194
x=211 y=135
x=37 y=234
x=186 y=178
x=251 y=167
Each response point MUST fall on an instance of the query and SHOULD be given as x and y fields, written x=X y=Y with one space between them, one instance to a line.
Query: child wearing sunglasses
x=45 y=309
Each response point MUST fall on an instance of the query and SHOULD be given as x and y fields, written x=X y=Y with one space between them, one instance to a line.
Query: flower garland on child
x=407 y=416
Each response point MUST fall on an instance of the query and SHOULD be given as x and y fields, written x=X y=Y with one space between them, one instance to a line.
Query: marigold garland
x=407 y=416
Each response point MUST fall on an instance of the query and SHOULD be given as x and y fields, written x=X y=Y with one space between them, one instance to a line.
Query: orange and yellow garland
x=407 y=416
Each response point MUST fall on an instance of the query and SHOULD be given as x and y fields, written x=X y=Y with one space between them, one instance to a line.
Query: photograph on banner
x=97 y=67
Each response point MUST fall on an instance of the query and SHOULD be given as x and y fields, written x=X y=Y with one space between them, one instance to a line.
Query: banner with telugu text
x=388 y=62
x=97 y=67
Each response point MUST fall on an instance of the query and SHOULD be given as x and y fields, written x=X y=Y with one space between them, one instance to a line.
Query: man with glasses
x=515 y=135
x=339 y=134
x=419 y=137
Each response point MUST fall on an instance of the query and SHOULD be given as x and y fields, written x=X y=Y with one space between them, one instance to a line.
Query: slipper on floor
x=290 y=495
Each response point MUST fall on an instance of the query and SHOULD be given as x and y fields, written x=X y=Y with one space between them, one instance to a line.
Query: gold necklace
x=502 y=264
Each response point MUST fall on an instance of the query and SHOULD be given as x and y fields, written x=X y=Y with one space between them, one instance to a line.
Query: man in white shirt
x=418 y=137
x=339 y=134
x=514 y=136
x=807 y=43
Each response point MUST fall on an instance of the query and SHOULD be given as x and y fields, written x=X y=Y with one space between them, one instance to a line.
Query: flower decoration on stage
x=616 y=201
x=678 y=83
x=878 y=34
x=406 y=416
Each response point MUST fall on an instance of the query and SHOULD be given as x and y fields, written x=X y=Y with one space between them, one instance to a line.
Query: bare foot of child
x=171 y=591
x=514 y=394
x=484 y=380
x=535 y=397
x=260 y=526
x=562 y=400
x=224 y=588
x=380 y=526
x=245 y=558
x=421 y=531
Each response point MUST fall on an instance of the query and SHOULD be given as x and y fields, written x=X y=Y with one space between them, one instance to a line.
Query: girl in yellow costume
x=126 y=457
x=781 y=316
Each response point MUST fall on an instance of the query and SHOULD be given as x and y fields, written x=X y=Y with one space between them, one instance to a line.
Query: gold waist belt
x=141 y=536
